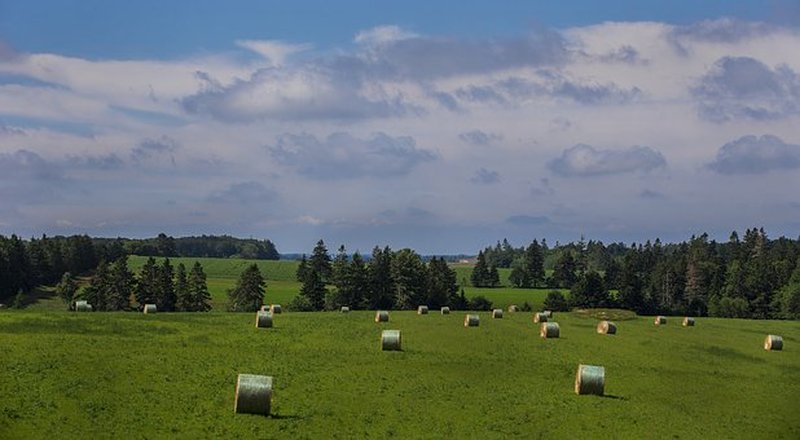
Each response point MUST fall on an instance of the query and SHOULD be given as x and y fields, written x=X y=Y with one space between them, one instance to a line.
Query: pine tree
x=66 y=289
x=314 y=290
x=300 y=275
x=589 y=291
x=182 y=298
x=534 y=264
x=409 y=276
x=494 y=276
x=442 y=286
x=121 y=285
x=564 y=275
x=148 y=291
x=320 y=262
x=480 y=276
x=97 y=292
x=381 y=284
x=199 y=299
x=166 y=288
x=248 y=295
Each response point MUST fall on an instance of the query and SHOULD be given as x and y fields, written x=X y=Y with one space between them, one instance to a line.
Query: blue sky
x=441 y=126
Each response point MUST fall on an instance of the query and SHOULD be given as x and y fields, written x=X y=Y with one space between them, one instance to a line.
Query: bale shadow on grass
x=613 y=397
x=286 y=417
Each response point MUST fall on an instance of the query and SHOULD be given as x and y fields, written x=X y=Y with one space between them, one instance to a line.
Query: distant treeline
x=752 y=277
x=215 y=246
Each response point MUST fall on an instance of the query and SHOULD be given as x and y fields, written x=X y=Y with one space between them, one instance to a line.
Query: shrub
x=480 y=302
x=299 y=304
x=556 y=301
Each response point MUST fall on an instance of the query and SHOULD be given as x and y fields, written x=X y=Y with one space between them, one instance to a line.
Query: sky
x=441 y=126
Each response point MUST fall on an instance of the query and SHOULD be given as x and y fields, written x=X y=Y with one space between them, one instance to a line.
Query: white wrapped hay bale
x=263 y=319
x=381 y=316
x=512 y=308
x=445 y=310
x=149 y=308
x=688 y=322
x=264 y=308
x=83 y=306
x=390 y=340
x=660 y=320
x=345 y=309
x=422 y=310
x=253 y=394
x=590 y=379
x=549 y=330
x=539 y=317
x=606 y=328
x=275 y=309
x=773 y=342
x=497 y=314
x=472 y=321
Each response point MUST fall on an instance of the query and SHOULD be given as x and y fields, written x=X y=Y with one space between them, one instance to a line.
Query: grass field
x=127 y=375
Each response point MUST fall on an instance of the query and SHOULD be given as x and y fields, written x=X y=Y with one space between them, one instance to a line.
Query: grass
x=105 y=375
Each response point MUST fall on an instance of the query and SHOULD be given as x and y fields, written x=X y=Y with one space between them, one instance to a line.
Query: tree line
x=213 y=246
x=389 y=280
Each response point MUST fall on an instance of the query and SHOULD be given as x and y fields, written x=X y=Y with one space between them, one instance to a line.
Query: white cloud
x=275 y=51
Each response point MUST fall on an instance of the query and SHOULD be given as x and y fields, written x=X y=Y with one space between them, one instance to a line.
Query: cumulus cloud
x=743 y=87
x=756 y=155
x=485 y=177
x=586 y=161
x=343 y=156
x=720 y=30
x=273 y=50
x=479 y=137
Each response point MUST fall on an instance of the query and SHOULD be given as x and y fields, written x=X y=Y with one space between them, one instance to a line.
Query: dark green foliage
x=198 y=297
x=248 y=295
x=351 y=280
x=121 y=285
x=148 y=288
x=66 y=289
x=410 y=279
x=299 y=304
x=442 y=285
x=182 y=298
x=320 y=262
x=381 y=285
x=484 y=275
x=222 y=246
x=301 y=269
x=314 y=290
x=166 y=299
x=589 y=292
x=97 y=292
x=479 y=302
x=564 y=273
x=556 y=301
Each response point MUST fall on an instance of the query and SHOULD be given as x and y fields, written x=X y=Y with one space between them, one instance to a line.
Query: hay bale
x=275 y=309
x=512 y=308
x=688 y=322
x=590 y=379
x=660 y=320
x=539 y=317
x=381 y=316
x=264 y=308
x=472 y=321
x=549 y=330
x=390 y=340
x=607 y=328
x=422 y=310
x=149 y=308
x=497 y=314
x=445 y=310
x=773 y=342
x=345 y=309
x=548 y=313
x=253 y=394
x=83 y=306
x=263 y=319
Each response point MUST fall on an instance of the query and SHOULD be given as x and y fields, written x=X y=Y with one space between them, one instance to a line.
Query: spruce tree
x=97 y=292
x=248 y=295
x=320 y=262
x=66 y=289
x=166 y=288
x=121 y=285
x=182 y=298
x=147 y=290
x=300 y=274
x=381 y=284
x=314 y=290
x=480 y=276
x=197 y=290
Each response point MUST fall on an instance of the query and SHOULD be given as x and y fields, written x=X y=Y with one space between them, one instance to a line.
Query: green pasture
x=128 y=375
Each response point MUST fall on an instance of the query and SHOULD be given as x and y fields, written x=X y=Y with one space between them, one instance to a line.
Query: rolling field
x=127 y=375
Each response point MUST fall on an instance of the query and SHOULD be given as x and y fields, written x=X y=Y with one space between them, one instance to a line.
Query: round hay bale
x=263 y=319
x=445 y=310
x=149 y=308
x=590 y=379
x=275 y=309
x=381 y=316
x=83 y=306
x=773 y=342
x=345 y=309
x=497 y=314
x=688 y=322
x=390 y=340
x=607 y=328
x=253 y=394
x=549 y=330
x=660 y=320
x=472 y=320
x=539 y=317
x=264 y=308
x=548 y=313
x=512 y=308
x=422 y=310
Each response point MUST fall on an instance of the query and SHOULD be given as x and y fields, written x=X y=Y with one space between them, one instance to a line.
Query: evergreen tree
x=97 y=293
x=320 y=262
x=248 y=295
x=631 y=295
x=199 y=299
x=589 y=291
x=121 y=285
x=442 y=286
x=351 y=281
x=519 y=276
x=300 y=275
x=494 y=276
x=314 y=290
x=165 y=301
x=534 y=264
x=381 y=292
x=339 y=267
x=480 y=276
x=148 y=286
x=66 y=289
x=564 y=275
x=410 y=279
x=183 y=301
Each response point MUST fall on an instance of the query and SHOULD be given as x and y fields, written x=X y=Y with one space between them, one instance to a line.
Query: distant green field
x=128 y=375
